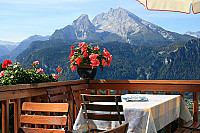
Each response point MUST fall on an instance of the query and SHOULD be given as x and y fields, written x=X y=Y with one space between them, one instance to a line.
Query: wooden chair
x=120 y=129
x=60 y=95
x=40 y=123
x=89 y=106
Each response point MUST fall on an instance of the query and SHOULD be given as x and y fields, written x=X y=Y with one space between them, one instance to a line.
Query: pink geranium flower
x=35 y=62
x=54 y=76
x=2 y=73
x=40 y=70
x=93 y=56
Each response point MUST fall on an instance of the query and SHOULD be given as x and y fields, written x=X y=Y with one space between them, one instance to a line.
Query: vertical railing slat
x=17 y=112
x=195 y=106
x=181 y=121
x=5 y=116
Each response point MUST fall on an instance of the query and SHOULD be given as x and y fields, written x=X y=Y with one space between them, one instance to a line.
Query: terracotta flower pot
x=86 y=72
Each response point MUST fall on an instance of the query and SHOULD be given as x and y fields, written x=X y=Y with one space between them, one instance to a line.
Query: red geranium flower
x=73 y=67
x=83 y=49
x=6 y=63
x=85 y=54
x=82 y=44
x=78 y=61
x=109 y=60
x=96 y=48
x=72 y=47
x=104 y=63
x=106 y=53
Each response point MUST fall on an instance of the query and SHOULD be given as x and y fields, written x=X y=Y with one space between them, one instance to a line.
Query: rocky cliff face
x=118 y=25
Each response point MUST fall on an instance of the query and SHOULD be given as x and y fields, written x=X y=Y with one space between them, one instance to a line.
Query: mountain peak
x=82 y=26
x=82 y=20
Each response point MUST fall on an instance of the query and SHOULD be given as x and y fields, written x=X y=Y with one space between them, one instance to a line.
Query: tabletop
x=146 y=116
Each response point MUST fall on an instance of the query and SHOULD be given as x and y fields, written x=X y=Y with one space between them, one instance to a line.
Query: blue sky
x=20 y=19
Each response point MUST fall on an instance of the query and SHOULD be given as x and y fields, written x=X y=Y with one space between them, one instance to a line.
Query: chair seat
x=189 y=127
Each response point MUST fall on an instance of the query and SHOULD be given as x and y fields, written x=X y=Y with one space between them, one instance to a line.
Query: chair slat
x=58 y=97
x=189 y=124
x=108 y=117
x=45 y=107
x=180 y=130
x=195 y=125
x=187 y=131
x=97 y=107
x=47 y=120
x=57 y=90
x=39 y=130
x=101 y=98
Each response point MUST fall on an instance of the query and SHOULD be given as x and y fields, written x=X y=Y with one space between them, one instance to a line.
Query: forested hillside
x=175 y=61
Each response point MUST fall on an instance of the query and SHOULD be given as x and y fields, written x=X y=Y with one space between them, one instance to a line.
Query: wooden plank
x=39 y=130
x=101 y=98
x=45 y=107
x=21 y=94
x=108 y=117
x=147 y=87
x=5 y=116
x=17 y=113
x=97 y=107
x=195 y=106
x=39 y=85
x=49 y=120
x=186 y=82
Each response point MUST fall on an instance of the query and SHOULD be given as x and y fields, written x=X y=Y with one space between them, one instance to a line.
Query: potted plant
x=14 y=74
x=87 y=58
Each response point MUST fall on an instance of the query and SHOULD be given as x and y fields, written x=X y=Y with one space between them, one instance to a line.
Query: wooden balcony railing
x=17 y=94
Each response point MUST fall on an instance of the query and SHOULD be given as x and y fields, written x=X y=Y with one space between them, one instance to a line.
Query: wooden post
x=119 y=92
x=17 y=113
x=73 y=109
x=5 y=116
x=195 y=106
x=168 y=128
x=181 y=121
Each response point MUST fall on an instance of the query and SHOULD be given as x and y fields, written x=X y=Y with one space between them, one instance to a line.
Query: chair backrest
x=58 y=94
x=77 y=90
x=89 y=106
x=120 y=129
x=33 y=119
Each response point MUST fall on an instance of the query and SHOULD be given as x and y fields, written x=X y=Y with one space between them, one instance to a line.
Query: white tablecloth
x=143 y=117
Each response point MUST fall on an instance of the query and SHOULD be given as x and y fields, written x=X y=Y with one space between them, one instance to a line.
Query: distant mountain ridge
x=195 y=34
x=118 y=25
x=7 y=46
x=22 y=46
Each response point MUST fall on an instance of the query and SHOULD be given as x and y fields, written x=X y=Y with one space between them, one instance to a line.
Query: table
x=144 y=116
